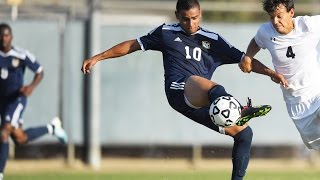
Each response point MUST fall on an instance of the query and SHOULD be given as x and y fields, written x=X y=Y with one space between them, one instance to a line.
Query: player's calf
x=241 y=153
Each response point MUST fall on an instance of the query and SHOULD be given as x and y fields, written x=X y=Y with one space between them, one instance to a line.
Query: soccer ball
x=225 y=111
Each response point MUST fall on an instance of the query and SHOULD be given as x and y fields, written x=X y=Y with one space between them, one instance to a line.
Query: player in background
x=190 y=56
x=292 y=43
x=13 y=97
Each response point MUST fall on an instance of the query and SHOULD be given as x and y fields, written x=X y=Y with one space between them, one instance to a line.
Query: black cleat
x=248 y=112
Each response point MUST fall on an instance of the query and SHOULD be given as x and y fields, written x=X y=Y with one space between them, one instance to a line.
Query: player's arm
x=118 y=50
x=28 y=89
x=260 y=68
x=246 y=64
x=249 y=63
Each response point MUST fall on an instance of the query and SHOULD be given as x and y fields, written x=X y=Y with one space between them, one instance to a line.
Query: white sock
x=1 y=176
x=50 y=128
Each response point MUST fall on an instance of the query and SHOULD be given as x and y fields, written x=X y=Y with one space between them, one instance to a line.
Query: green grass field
x=160 y=169
x=172 y=175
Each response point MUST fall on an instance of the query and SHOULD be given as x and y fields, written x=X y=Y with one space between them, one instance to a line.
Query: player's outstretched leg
x=249 y=112
x=58 y=131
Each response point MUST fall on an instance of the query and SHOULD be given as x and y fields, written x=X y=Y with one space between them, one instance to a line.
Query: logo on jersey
x=15 y=62
x=177 y=39
x=8 y=118
x=177 y=85
x=206 y=44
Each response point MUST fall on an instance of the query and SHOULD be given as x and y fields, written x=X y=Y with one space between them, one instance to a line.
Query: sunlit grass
x=172 y=175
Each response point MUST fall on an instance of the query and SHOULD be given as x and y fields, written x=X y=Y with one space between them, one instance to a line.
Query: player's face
x=282 y=20
x=189 y=19
x=5 y=38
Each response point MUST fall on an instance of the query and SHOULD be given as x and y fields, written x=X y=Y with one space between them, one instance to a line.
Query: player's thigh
x=202 y=116
x=177 y=101
x=196 y=90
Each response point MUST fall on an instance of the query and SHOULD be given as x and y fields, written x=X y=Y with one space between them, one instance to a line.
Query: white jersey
x=295 y=55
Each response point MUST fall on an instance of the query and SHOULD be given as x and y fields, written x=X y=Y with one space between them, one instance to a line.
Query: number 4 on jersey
x=290 y=53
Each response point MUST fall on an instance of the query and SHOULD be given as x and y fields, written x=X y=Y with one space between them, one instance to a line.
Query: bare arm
x=260 y=68
x=118 y=50
x=248 y=64
x=28 y=89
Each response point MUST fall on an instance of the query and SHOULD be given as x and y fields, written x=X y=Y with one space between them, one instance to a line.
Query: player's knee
x=19 y=138
x=217 y=91
x=245 y=135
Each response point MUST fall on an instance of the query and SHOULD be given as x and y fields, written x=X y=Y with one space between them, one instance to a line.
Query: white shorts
x=309 y=129
x=306 y=117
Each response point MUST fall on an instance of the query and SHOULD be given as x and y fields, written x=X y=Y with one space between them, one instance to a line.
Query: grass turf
x=172 y=175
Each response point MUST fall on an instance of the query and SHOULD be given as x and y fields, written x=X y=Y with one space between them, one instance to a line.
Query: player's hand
x=88 y=64
x=26 y=90
x=279 y=79
x=245 y=65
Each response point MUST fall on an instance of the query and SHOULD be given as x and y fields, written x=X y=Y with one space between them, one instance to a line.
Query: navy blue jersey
x=12 y=68
x=185 y=55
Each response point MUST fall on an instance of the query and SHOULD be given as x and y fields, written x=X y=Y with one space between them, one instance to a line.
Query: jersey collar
x=192 y=33
x=3 y=54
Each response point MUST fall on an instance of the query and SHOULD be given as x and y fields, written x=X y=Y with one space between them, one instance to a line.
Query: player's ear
x=177 y=14
x=291 y=12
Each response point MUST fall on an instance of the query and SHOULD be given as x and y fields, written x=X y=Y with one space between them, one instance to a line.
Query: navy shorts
x=176 y=99
x=11 y=110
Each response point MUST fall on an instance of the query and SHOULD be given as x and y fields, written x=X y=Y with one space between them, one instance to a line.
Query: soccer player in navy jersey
x=190 y=56
x=13 y=96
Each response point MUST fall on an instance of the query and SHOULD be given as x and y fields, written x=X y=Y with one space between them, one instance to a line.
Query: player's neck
x=293 y=25
x=5 y=49
x=290 y=29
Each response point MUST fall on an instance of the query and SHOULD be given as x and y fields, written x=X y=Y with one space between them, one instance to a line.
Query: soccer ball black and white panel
x=225 y=111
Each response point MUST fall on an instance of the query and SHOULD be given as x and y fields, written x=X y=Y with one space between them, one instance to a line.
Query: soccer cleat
x=248 y=112
x=58 y=131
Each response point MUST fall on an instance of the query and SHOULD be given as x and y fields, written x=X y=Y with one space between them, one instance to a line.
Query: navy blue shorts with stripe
x=11 y=110
x=176 y=99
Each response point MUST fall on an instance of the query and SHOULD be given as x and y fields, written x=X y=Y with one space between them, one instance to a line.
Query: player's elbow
x=39 y=75
x=246 y=64
x=246 y=68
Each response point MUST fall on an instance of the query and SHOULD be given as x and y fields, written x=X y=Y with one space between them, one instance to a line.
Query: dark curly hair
x=5 y=26
x=183 y=5
x=271 y=5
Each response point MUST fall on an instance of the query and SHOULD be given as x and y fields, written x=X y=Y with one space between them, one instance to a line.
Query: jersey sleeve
x=260 y=37
x=152 y=41
x=228 y=53
x=313 y=23
x=32 y=63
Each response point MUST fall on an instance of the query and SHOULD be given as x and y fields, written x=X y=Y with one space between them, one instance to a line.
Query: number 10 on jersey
x=196 y=53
